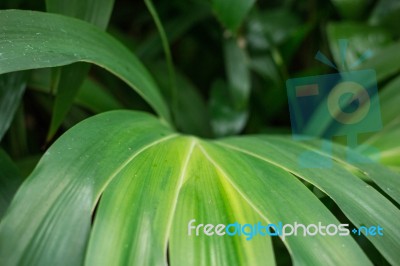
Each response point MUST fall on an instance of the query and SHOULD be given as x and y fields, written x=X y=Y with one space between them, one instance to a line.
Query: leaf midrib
x=193 y=144
x=125 y=163
x=248 y=201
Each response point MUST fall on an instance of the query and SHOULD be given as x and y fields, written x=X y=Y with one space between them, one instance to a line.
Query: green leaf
x=272 y=27
x=386 y=13
x=208 y=197
x=389 y=98
x=96 y=98
x=225 y=119
x=174 y=27
x=191 y=113
x=368 y=48
x=38 y=40
x=79 y=194
x=339 y=184
x=41 y=80
x=27 y=164
x=383 y=140
x=69 y=80
x=351 y=8
x=92 y=95
x=167 y=52
x=10 y=179
x=142 y=184
x=150 y=228
x=232 y=13
x=71 y=77
x=385 y=62
x=17 y=134
x=361 y=38
x=376 y=173
x=95 y=12
x=237 y=71
x=271 y=182
x=12 y=87
x=229 y=103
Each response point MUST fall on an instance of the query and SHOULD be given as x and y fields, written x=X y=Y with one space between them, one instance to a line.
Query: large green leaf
x=36 y=40
x=359 y=212
x=207 y=196
x=142 y=184
x=80 y=194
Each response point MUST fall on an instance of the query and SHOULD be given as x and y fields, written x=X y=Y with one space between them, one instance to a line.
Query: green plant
x=120 y=187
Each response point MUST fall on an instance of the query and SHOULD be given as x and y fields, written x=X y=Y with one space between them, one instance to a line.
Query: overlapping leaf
x=153 y=182
x=31 y=40
x=12 y=87
x=382 y=141
x=71 y=77
x=229 y=102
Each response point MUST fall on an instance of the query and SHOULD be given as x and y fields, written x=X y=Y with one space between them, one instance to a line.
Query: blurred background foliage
x=231 y=63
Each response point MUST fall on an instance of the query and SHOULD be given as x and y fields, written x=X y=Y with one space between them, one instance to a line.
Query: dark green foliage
x=207 y=69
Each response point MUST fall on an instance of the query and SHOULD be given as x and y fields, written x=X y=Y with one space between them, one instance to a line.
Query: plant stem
x=167 y=51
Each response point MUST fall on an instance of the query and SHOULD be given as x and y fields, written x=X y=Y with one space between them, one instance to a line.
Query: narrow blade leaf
x=12 y=87
x=36 y=40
